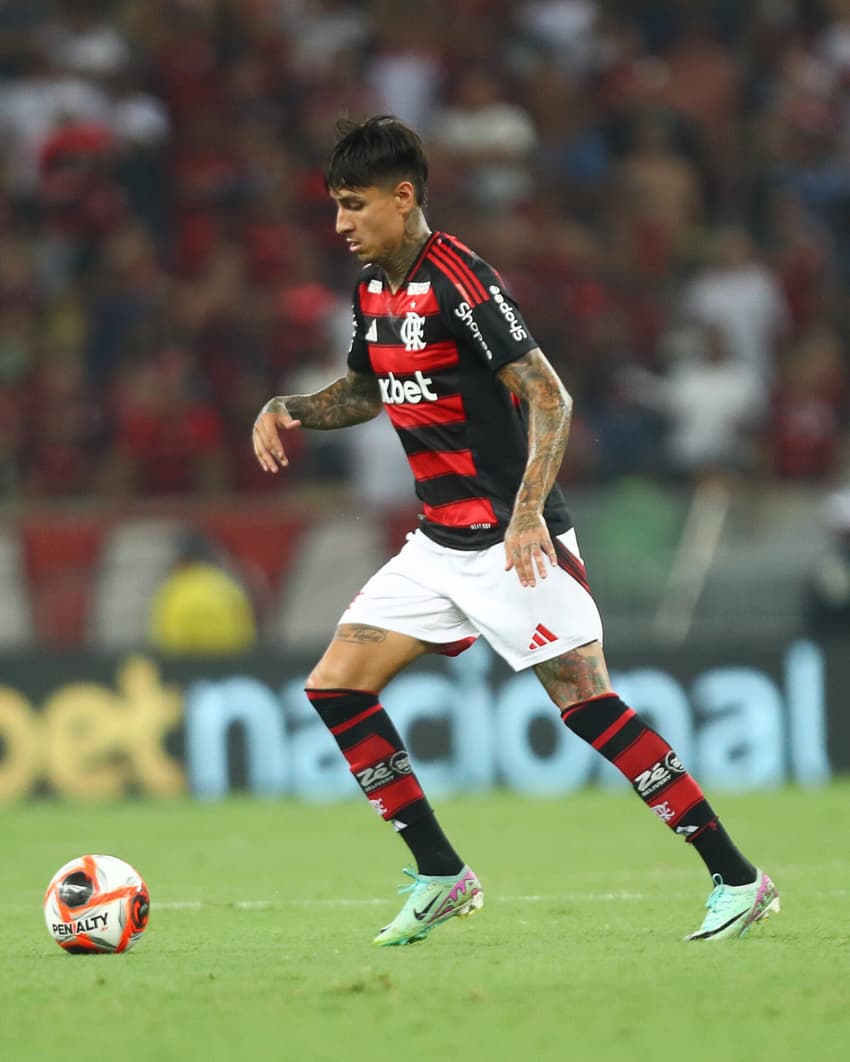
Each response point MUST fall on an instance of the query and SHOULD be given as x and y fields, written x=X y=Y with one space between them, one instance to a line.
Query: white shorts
x=448 y=597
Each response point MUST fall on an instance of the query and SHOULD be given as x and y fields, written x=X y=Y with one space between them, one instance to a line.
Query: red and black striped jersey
x=435 y=346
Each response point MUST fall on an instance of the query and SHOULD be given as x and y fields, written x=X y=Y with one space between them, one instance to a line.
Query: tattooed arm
x=527 y=541
x=352 y=399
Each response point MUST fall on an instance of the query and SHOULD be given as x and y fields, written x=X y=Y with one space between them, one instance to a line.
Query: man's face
x=372 y=220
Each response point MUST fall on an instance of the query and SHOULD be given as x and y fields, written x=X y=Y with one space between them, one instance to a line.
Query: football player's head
x=377 y=174
x=378 y=151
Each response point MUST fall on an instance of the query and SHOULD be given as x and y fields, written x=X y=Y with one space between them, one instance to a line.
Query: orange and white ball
x=96 y=904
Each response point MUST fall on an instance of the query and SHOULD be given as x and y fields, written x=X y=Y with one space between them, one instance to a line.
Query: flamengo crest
x=412 y=331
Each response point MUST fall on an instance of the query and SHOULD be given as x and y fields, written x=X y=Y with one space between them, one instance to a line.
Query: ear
x=405 y=196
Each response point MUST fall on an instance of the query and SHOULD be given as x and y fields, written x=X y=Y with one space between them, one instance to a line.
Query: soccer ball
x=96 y=904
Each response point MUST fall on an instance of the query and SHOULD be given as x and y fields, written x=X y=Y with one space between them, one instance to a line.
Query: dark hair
x=378 y=150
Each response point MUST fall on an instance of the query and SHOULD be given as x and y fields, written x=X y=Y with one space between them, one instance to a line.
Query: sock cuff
x=578 y=706
x=316 y=693
x=598 y=720
x=341 y=709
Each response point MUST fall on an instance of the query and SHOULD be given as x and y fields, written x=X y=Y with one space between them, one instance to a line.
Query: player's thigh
x=411 y=596
x=362 y=657
x=577 y=675
x=529 y=625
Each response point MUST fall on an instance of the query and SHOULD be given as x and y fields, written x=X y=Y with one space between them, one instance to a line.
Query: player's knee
x=576 y=676
x=327 y=676
x=317 y=680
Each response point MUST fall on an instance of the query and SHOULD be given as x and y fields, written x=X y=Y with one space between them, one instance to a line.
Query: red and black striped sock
x=659 y=779
x=381 y=766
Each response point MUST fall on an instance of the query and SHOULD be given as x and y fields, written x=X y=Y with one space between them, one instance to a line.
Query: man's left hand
x=528 y=547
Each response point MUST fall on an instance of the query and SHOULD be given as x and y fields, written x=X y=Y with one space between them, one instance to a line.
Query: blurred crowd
x=665 y=185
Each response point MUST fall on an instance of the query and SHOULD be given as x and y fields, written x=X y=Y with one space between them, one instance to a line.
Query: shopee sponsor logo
x=464 y=312
x=509 y=314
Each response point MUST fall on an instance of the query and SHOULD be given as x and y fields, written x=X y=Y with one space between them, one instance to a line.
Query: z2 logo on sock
x=383 y=772
x=658 y=776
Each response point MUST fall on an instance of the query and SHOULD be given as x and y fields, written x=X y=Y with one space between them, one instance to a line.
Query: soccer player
x=483 y=418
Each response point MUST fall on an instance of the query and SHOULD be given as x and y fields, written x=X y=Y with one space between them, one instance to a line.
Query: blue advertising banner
x=104 y=727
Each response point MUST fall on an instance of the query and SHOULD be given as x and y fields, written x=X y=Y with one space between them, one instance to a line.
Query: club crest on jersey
x=396 y=392
x=413 y=331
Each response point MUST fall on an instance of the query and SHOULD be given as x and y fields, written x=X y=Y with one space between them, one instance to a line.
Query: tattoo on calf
x=360 y=635
x=575 y=676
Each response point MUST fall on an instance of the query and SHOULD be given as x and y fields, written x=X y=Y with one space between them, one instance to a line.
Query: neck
x=399 y=262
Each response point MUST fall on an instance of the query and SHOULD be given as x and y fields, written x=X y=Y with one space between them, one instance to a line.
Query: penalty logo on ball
x=96 y=904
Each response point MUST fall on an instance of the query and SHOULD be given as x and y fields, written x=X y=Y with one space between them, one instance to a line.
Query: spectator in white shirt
x=740 y=297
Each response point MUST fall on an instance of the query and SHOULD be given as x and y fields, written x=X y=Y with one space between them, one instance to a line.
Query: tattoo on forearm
x=534 y=380
x=575 y=676
x=360 y=634
x=351 y=399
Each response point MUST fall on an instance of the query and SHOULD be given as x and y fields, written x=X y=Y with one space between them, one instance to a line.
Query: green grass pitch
x=259 y=945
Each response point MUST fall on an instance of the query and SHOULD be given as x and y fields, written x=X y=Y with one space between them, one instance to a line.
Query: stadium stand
x=665 y=185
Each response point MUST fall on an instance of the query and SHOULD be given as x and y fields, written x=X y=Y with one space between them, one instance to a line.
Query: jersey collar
x=417 y=262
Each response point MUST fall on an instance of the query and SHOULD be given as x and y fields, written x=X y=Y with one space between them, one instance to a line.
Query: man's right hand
x=266 y=434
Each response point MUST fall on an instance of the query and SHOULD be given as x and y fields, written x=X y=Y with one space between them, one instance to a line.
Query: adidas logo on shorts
x=542 y=636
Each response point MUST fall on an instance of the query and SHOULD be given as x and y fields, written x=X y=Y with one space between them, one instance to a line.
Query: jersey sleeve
x=358 y=351
x=479 y=311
